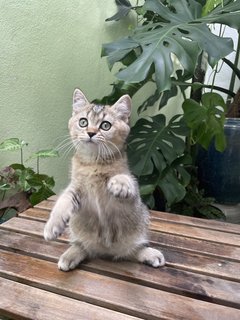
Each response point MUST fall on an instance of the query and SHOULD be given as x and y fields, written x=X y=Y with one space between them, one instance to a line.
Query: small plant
x=20 y=186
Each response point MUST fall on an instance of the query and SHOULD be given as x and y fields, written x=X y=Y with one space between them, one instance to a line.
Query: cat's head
x=99 y=131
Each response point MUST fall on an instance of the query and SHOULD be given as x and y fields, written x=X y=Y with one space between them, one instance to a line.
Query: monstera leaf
x=124 y=7
x=156 y=152
x=178 y=29
x=206 y=120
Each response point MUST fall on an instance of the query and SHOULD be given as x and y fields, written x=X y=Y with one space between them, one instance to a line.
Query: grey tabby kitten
x=102 y=204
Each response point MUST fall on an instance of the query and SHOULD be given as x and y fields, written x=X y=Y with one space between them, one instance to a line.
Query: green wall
x=48 y=48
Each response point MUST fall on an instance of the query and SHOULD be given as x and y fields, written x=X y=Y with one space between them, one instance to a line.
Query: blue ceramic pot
x=219 y=172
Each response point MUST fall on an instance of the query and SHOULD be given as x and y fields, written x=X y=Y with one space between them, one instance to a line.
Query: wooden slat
x=192 y=262
x=53 y=198
x=31 y=245
x=110 y=293
x=179 y=281
x=195 y=245
x=179 y=219
x=26 y=226
x=35 y=214
x=170 y=279
x=166 y=239
x=163 y=239
x=168 y=228
x=205 y=265
x=46 y=205
x=20 y=301
x=191 y=221
x=196 y=233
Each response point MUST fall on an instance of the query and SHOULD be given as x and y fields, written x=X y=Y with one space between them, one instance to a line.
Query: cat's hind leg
x=71 y=258
x=150 y=256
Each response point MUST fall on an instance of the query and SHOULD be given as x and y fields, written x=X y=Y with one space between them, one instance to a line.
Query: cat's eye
x=105 y=125
x=83 y=122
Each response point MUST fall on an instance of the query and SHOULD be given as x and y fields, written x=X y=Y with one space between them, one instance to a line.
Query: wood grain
x=201 y=279
x=196 y=233
x=110 y=293
x=32 y=303
x=170 y=279
x=193 y=262
x=196 y=222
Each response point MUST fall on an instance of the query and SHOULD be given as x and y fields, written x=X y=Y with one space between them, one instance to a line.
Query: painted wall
x=48 y=48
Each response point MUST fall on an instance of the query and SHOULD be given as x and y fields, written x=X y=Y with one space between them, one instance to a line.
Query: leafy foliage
x=50 y=153
x=155 y=149
x=206 y=120
x=12 y=144
x=17 y=177
x=178 y=29
x=169 y=32
x=124 y=7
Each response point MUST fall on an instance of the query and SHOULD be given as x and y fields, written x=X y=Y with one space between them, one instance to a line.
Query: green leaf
x=147 y=189
x=173 y=190
x=17 y=166
x=150 y=101
x=41 y=195
x=39 y=180
x=210 y=5
x=154 y=139
x=166 y=95
x=178 y=29
x=155 y=154
x=50 y=153
x=124 y=7
x=206 y=119
x=12 y=144
x=5 y=187
x=24 y=175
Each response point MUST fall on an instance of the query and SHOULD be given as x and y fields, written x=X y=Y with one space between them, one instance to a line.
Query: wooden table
x=200 y=281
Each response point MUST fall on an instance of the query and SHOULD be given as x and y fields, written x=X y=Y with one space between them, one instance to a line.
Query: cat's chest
x=91 y=179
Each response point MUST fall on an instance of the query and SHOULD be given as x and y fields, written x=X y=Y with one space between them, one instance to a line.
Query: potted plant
x=20 y=186
x=219 y=171
x=163 y=154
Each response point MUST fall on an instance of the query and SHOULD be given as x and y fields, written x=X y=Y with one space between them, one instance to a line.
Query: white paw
x=121 y=186
x=152 y=257
x=53 y=229
x=71 y=258
x=65 y=264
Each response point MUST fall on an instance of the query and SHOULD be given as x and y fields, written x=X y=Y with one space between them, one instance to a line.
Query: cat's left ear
x=123 y=107
x=79 y=100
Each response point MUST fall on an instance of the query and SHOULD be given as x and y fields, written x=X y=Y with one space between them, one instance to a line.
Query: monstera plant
x=162 y=155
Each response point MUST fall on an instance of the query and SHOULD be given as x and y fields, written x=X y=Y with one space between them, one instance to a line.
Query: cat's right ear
x=79 y=100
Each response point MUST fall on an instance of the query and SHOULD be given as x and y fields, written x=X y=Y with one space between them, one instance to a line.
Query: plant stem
x=186 y=84
x=37 y=165
x=184 y=95
x=4 y=193
x=21 y=150
x=214 y=77
x=233 y=77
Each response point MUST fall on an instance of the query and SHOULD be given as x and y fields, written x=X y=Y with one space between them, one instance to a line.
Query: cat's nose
x=91 y=134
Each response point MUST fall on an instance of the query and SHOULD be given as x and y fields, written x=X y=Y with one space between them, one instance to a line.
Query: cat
x=102 y=203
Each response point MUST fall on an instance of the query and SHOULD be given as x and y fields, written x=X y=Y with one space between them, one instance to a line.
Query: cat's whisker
x=64 y=143
x=109 y=153
x=99 y=152
x=114 y=145
x=68 y=151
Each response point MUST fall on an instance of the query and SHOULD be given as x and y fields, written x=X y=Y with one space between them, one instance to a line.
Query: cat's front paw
x=151 y=256
x=122 y=186
x=53 y=229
